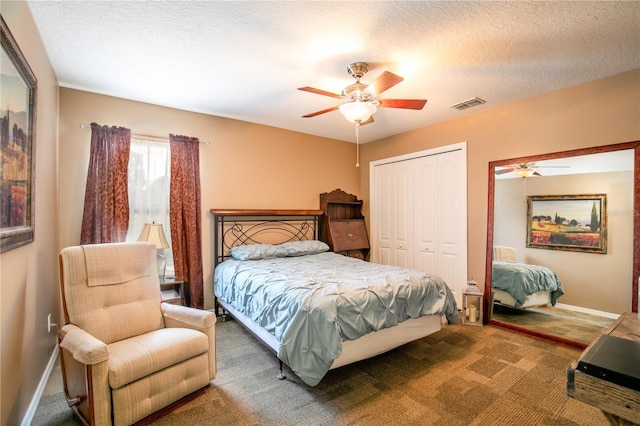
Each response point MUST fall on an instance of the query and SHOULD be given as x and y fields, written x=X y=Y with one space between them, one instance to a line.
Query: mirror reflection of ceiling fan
x=525 y=170
x=360 y=101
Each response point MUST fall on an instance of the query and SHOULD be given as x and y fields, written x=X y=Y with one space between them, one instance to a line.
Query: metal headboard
x=237 y=227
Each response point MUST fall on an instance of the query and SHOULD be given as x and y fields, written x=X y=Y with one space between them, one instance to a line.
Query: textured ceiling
x=245 y=59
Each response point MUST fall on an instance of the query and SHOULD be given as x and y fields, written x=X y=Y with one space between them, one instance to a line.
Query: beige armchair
x=504 y=254
x=124 y=354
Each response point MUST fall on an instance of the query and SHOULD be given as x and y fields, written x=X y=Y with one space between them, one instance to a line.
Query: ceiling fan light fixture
x=524 y=173
x=356 y=92
x=360 y=101
x=358 y=112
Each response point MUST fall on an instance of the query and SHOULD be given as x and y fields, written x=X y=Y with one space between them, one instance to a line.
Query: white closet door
x=393 y=186
x=425 y=213
x=384 y=193
x=452 y=237
x=403 y=225
x=419 y=213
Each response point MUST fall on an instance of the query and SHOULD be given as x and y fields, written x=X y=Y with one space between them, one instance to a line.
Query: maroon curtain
x=106 y=199
x=184 y=208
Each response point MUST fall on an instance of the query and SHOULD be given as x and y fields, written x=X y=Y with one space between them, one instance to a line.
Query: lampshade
x=153 y=233
x=357 y=111
x=524 y=173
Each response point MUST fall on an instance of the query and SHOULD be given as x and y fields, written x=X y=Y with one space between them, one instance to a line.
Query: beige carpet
x=462 y=375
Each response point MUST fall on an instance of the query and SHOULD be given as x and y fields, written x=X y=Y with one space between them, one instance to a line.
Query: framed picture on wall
x=17 y=144
x=567 y=222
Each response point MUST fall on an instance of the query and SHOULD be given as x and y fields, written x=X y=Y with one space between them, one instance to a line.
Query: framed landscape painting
x=567 y=222
x=17 y=144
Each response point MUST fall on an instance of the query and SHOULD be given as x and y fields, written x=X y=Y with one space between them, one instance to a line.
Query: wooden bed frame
x=238 y=227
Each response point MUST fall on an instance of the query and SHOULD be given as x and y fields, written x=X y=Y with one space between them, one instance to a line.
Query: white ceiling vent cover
x=468 y=103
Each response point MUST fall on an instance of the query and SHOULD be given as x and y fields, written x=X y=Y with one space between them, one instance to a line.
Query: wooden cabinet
x=343 y=227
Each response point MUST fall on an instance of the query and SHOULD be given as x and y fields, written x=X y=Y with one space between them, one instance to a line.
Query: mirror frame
x=635 y=145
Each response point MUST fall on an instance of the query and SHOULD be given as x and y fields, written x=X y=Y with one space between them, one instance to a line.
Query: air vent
x=468 y=103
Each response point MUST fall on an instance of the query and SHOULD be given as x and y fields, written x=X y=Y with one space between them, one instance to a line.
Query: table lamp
x=154 y=233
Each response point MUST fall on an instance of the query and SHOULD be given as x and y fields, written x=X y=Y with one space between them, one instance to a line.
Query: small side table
x=172 y=290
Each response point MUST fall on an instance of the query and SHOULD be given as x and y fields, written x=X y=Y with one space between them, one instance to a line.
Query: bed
x=522 y=285
x=315 y=309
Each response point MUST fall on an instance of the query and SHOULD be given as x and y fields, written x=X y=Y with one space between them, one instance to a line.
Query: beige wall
x=594 y=281
x=602 y=112
x=245 y=166
x=29 y=274
x=254 y=166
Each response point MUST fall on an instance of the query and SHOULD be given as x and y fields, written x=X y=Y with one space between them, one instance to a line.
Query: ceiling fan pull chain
x=357 y=144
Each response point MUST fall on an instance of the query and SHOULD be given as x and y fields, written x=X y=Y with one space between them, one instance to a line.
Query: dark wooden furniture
x=619 y=404
x=343 y=227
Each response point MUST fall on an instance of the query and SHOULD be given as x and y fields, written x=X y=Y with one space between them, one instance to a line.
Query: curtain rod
x=148 y=137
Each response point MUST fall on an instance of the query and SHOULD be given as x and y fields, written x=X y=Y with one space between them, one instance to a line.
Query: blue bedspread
x=520 y=280
x=312 y=303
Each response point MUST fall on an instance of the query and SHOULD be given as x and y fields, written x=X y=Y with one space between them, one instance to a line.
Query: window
x=149 y=178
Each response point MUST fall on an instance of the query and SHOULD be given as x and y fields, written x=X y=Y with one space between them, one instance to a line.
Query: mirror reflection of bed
x=527 y=295
x=521 y=285
x=597 y=287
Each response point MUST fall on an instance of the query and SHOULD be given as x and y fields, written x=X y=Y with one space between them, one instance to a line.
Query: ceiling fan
x=524 y=170
x=360 y=100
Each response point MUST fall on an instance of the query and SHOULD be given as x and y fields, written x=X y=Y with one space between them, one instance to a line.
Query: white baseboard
x=587 y=311
x=33 y=406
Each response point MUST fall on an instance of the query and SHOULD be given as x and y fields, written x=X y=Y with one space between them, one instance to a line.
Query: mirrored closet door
x=597 y=286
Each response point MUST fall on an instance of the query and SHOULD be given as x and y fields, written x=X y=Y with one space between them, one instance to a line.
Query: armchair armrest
x=182 y=316
x=204 y=321
x=83 y=346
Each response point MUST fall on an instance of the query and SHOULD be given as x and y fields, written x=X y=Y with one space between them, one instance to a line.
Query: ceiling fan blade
x=503 y=171
x=403 y=103
x=319 y=92
x=313 y=114
x=385 y=81
x=536 y=174
x=369 y=121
